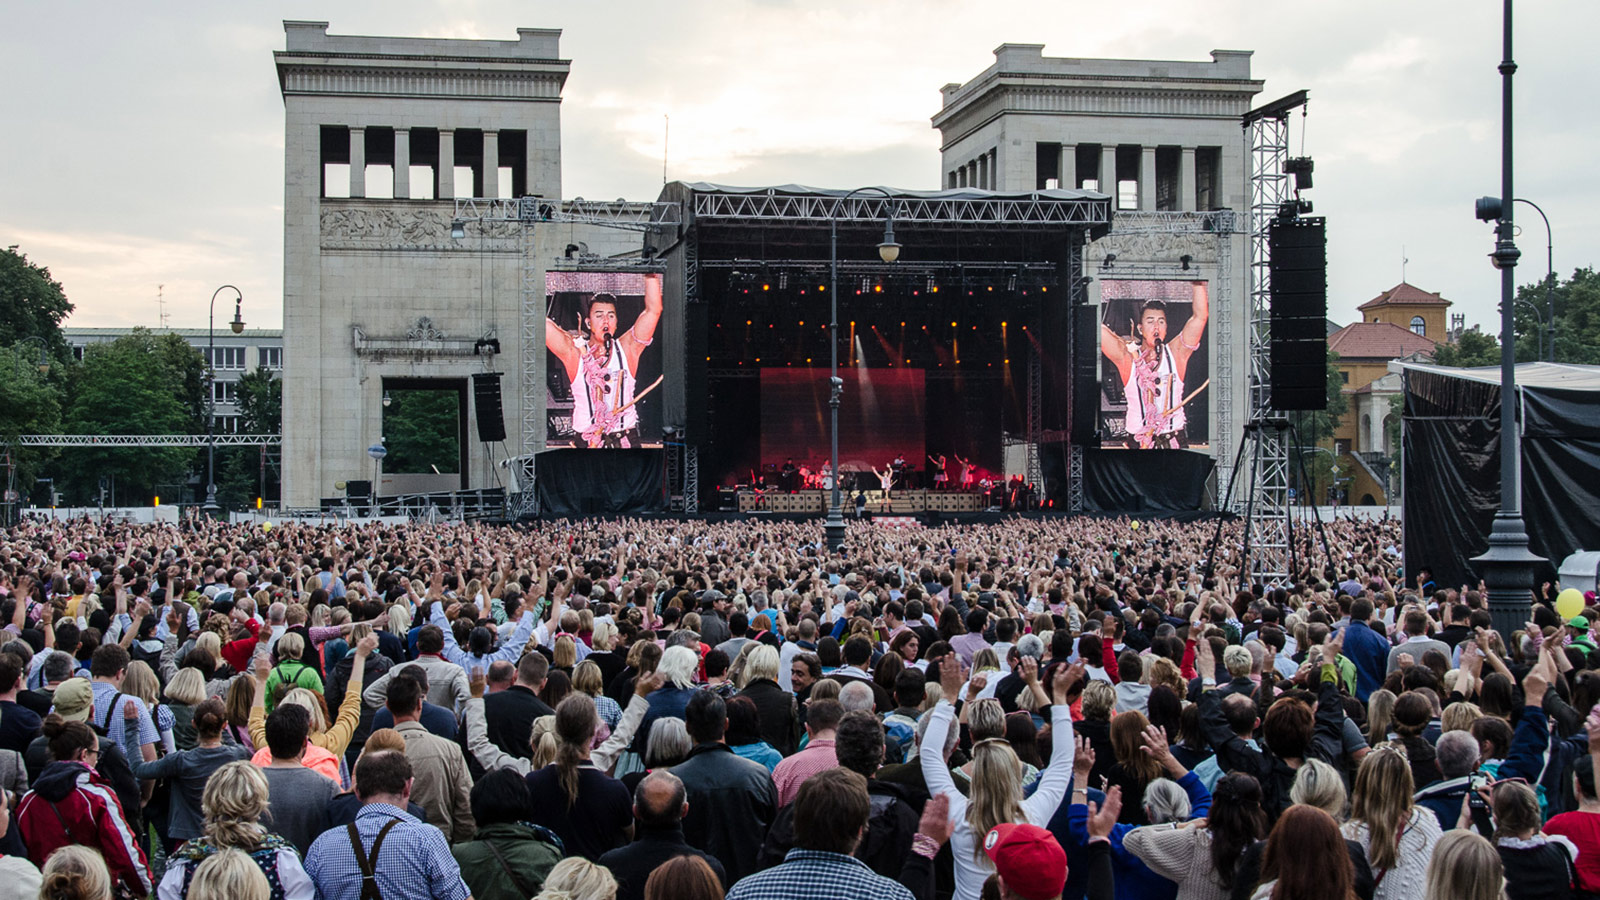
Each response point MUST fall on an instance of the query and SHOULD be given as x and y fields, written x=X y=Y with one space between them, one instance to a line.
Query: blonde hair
x=1318 y=784
x=1099 y=698
x=825 y=689
x=234 y=801
x=229 y=874
x=188 y=687
x=575 y=878
x=604 y=634
x=986 y=660
x=313 y=703
x=1163 y=671
x=587 y=678
x=1459 y=716
x=211 y=643
x=542 y=741
x=1464 y=866
x=761 y=663
x=384 y=739
x=75 y=872
x=291 y=646
x=996 y=793
x=1380 y=715
x=1382 y=802
x=565 y=654
x=141 y=682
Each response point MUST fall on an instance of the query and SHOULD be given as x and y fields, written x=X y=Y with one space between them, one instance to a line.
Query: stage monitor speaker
x=486 y=403
x=357 y=490
x=1299 y=312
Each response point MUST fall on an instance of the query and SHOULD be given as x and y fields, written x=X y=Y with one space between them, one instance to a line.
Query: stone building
x=1162 y=138
x=381 y=135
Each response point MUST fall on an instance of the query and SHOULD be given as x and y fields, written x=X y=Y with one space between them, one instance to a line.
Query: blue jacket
x=1369 y=650
x=1134 y=879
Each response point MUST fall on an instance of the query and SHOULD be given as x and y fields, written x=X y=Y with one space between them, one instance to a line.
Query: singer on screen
x=602 y=367
x=1152 y=370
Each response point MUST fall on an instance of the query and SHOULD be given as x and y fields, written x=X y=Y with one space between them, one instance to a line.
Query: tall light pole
x=1508 y=566
x=1549 y=321
x=237 y=326
x=888 y=251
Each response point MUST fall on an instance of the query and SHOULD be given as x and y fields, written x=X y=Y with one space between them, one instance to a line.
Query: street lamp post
x=888 y=251
x=1538 y=317
x=1508 y=566
x=236 y=326
x=1549 y=320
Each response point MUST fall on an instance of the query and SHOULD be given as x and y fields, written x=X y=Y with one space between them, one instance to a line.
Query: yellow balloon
x=266 y=526
x=1569 y=603
x=1135 y=524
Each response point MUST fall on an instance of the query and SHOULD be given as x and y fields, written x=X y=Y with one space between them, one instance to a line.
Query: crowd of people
x=1086 y=709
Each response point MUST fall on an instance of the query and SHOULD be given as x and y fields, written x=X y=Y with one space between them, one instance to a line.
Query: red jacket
x=86 y=812
x=237 y=653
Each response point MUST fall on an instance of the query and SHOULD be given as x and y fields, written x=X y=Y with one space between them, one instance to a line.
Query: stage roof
x=801 y=205
x=1538 y=375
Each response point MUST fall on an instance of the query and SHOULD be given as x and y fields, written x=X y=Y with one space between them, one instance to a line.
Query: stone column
x=1147 y=178
x=1186 y=184
x=358 y=162
x=1067 y=171
x=491 y=163
x=1108 y=172
x=447 y=164
x=402 y=163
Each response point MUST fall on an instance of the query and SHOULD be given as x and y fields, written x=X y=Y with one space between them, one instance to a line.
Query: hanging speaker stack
x=1299 y=312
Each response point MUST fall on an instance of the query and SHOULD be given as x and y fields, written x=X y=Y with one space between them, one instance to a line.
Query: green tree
x=1577 y=313
x=30 y=403
x=31 y=302
x=421 y=430
x=1473 y=349
x=240 y=475
x=136 y=384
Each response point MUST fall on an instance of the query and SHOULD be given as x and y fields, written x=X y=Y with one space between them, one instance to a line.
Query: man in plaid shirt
x=830 y=816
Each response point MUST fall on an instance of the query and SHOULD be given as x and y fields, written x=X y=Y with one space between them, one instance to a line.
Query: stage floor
x=902 y=503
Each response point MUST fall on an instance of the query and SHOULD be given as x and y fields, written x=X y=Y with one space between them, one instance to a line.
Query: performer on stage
x=898 y=467
x=789 y=478
x=1152 y=371
x=941 y=480
x=885 y=489
x=602 y=367
x=966 y=473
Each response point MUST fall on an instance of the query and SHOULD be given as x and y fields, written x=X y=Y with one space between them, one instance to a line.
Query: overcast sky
x=144 y=142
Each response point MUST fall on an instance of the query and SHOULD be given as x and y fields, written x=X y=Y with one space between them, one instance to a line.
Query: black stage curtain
x=577 y=483
x=1451 y=469
x=1144 y=480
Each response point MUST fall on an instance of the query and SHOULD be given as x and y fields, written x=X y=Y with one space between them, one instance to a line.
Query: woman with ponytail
x=590 y=811
x=995 y=796
x=1202 y=857
x=190 y=770
x=234 y=803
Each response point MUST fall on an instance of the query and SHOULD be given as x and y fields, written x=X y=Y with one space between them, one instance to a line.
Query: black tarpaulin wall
x=574 y=483
x=1451 y=467
x=1144 y=480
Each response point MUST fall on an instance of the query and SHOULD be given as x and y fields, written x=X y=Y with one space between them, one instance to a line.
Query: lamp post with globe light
x=237 y=327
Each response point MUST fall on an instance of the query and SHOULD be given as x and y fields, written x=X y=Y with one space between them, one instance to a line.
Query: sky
x=143 y=143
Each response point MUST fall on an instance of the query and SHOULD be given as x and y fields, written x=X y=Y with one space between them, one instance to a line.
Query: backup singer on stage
x=1152 y=371
x=603 y=366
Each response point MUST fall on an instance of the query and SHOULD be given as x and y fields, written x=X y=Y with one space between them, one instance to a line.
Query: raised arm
x=643 y=331
x=557 y=341
x=1116 y=350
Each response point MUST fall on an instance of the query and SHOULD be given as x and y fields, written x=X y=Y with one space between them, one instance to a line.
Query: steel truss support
x=820 y=209
x=1267 y=502
x=691 y=479
x=145 y=440
x=1035 y=418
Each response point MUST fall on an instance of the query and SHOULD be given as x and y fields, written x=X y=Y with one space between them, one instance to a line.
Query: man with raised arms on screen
x=1152 y=370
x=603 y=366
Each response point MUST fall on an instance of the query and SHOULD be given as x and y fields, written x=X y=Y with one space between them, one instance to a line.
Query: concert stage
x=903 y=503
x=959 y=349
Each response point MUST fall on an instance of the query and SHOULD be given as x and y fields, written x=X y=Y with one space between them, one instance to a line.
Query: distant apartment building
x=235 y=354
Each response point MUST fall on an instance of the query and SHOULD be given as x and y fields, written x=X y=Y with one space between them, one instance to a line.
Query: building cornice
x=361 y=75
x=1193 y=99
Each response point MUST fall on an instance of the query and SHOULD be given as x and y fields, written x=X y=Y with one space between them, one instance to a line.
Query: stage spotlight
x=1186 y=259
x=1002 y=324
x=802 y=323
x=934 y=289
x=902 y=324
x=877 y=289
x=458 y=229
x=766 y=287
x=747 y=321
x=990 y=288
x=1109 y=261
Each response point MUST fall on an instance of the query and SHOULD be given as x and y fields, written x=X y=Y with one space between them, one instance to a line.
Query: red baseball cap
x=1029 y=859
